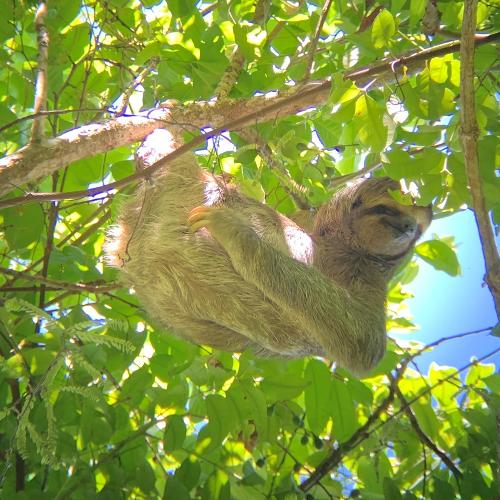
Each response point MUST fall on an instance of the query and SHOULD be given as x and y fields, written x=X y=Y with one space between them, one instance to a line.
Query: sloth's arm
x=351 y=331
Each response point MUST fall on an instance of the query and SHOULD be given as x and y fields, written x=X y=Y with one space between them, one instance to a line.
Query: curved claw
x=198 y=218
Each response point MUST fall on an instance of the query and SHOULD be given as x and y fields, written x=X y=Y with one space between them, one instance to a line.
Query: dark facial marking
x=402 y=225
x=383 y=210
x=357 y=203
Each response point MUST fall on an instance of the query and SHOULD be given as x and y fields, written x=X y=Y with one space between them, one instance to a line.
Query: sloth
x=223 y=270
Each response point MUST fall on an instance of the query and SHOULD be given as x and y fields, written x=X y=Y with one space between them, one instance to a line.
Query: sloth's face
x=370 y=221
x=381 y=226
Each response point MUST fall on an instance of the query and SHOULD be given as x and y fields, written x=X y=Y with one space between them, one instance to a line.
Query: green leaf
x=439 y=255
x=317 y=405
x=181 y=8
x=217 y=486
x=175 y=395
x=369 y=116
x=175 y=433
x=391 y=490
x=95 y=427
x=134 y=387
x=383 y=29
x=342 y=408
x=222 y=418
x=284 y=386
x=496 y=330
x=189 y=472
x=368 y=475
x=442 y=489
x=438 y=69
x=38 y=360
x=426 y=418
x=249 y=404
x=18 y=233
x=417 y=10
x=251 y=477
x=444 y=392
x=174 y=488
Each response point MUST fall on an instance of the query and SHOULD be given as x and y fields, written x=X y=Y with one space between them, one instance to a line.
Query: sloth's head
x=371 y=222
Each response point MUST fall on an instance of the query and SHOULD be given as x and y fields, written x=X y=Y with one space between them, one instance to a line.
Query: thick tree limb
x=393 y=69
x=36 y=161
x=469 y=133
x=33 y=162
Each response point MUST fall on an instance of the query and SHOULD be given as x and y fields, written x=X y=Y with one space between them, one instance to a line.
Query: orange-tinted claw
x=198 y=218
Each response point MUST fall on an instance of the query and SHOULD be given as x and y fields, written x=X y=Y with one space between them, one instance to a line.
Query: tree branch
x=338 y=454
x=237 y=61
x=295 y=190
x=127 y=93
x=33 y=162
x=469 y=133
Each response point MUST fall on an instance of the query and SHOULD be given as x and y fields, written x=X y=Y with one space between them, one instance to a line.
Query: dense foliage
x=97 y=402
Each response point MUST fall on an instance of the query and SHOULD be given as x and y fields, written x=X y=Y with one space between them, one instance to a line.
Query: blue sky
x=445 y=305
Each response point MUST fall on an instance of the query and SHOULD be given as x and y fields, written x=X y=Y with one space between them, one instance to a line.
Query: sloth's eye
x=384 y=210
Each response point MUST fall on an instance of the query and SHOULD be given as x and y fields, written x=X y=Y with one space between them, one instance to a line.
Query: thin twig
x=424 y=438
x=37 y=130
x=437 y=342
x=469 y=133
x=48 y=112
x=441 y=381
x=80 y=239
x=125 y=97
x=76 y=287
x=336 y=456
x=315 y=40
x=51 y=227
x=368 y=19
x=294 y=190
x=297 y=461
x=280 y=465
x=342 y=179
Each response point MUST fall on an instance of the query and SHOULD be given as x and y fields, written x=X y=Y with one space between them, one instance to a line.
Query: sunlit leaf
x=383 y=29
x=342 y=408
x=317 y=405
x=439 y=255
x=438 y=70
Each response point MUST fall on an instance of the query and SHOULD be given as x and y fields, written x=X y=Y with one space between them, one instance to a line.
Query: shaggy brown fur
x=226 y=271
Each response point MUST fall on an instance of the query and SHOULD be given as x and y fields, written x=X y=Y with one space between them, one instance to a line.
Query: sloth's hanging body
x=223 y=270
